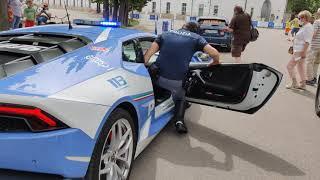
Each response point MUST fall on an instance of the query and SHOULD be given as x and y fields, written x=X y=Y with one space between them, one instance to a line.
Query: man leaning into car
x=176 y=51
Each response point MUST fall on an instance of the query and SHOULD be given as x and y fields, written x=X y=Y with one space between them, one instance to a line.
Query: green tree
x=295 y=6
x=121 y=8
x=4 y=24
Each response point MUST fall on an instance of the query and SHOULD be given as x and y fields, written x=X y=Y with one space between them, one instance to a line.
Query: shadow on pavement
x=178 y=150
x=305 y=93
x=16 y=175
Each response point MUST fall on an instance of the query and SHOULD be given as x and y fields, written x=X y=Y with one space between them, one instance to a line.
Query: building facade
x=262 y=10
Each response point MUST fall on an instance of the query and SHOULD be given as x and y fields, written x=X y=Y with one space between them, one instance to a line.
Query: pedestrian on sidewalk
x=288 y=27
x=30 y=14
x=301 y=45
x=295 y=26
x=10 y=15
x=16 y=7
x=44 y=15
x=313 y=60
x=240 y=26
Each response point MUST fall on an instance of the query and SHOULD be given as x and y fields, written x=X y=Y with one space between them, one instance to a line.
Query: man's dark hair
x=238 y=10
x=192 y=26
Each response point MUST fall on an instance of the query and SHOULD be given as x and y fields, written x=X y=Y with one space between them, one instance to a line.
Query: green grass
x=133 y=22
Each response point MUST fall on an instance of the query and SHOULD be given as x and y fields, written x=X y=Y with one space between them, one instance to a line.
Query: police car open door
x=238 y=87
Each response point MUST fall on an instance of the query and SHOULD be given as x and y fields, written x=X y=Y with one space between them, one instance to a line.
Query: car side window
x=129 y=51
x=145 y=44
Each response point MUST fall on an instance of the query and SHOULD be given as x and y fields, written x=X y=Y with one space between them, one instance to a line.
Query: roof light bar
x=96 y=23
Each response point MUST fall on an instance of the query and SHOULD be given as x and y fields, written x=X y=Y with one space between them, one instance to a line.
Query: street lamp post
x=245 y=5
x=160 y=7
x=210 y=5
x=191 y=7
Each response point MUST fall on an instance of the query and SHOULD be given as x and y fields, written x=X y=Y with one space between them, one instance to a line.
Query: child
x=10 y=15
x=288 y=28
x=29 y=14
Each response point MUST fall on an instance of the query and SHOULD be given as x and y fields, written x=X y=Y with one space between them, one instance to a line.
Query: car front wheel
x=114 y=152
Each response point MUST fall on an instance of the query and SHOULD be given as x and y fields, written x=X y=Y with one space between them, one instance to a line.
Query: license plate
x=211 y=31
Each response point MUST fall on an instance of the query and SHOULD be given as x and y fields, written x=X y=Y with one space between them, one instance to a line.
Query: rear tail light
x=36 y=119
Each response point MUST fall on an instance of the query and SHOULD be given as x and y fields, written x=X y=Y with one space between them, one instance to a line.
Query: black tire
x=228 y=49
x=317 y=102
x=93 y=169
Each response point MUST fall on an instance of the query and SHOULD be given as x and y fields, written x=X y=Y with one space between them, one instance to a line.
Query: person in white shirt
x=16 y=7
x=313 y=60
x=301 y=45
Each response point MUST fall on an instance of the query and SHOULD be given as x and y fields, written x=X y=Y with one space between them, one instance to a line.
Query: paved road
x=281 y=141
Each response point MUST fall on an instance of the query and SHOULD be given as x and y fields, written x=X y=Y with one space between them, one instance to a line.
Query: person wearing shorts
x=237 y=49
x=301 y=46
x=240 y=26
x=29 y=14
x=288 y=28
x=295 y=26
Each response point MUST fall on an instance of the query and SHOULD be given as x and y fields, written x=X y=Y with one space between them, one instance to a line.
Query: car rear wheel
x=317 y=103
x=114 y=152
x=228 y=49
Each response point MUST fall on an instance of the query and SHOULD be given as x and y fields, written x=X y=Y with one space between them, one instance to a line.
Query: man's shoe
x=181 y=128
x=311 y=82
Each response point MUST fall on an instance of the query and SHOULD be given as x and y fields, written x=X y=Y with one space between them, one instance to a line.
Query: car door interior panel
x=220 y=83
x=238 y=87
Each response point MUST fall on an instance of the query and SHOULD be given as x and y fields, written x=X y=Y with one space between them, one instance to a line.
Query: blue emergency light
x=100 y=22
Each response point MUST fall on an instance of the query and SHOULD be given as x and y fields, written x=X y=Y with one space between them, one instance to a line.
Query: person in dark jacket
x=240 y=26
x=177 y=48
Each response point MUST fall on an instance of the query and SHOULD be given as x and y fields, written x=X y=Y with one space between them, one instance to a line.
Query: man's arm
x=316 y=26
x=231 y=26
x=151 y=51
x=213 y=53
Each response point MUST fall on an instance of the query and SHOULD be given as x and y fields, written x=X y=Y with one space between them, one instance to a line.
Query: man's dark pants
x=178 y=95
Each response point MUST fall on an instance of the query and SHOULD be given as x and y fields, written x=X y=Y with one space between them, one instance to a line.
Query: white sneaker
x=293 y=85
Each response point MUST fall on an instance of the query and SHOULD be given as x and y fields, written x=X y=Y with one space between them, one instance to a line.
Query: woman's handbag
x=254 y=34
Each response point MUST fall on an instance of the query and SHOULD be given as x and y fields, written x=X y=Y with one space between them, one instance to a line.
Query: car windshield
x=212 y=22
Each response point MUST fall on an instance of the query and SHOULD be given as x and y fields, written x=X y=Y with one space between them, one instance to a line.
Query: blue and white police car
x=80 y=102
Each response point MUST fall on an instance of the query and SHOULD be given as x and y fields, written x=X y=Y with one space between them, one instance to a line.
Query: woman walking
x=301 y=45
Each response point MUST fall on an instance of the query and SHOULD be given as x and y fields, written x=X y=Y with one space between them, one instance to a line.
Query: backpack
x=254 y=33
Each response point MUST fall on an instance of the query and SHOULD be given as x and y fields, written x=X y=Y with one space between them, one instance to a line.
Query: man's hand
x=151 y=51
x=213 y=53
x=227 y=29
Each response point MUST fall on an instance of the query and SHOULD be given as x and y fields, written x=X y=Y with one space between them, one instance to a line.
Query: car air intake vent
x=13 y=124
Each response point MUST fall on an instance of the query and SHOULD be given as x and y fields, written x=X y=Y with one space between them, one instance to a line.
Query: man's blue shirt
x=176 y=51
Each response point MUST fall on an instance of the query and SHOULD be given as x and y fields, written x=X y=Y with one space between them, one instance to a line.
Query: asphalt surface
x=281 y=141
